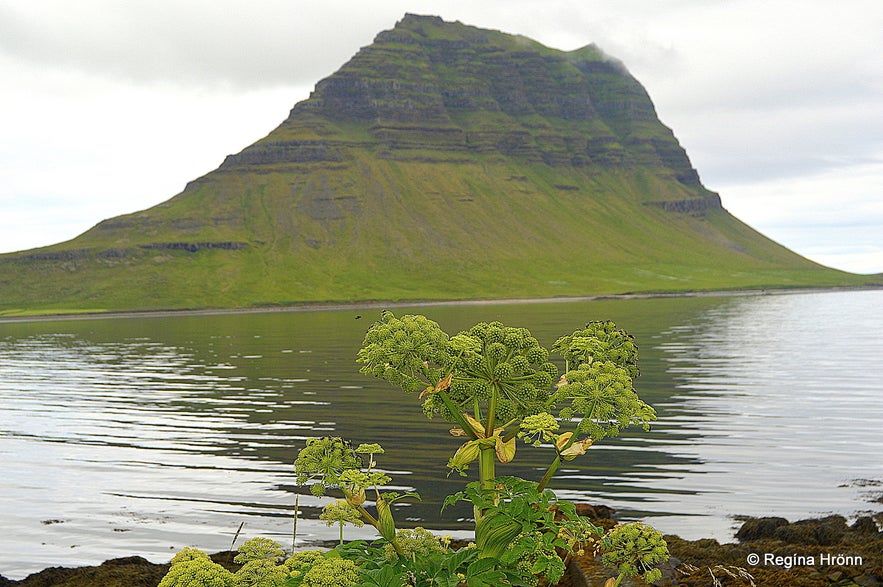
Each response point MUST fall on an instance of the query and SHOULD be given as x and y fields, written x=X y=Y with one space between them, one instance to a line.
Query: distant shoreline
x=372 y=304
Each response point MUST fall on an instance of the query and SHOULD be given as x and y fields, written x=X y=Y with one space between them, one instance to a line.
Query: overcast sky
x=111 y=106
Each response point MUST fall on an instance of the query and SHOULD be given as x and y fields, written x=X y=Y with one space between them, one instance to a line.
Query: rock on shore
x=808 y=553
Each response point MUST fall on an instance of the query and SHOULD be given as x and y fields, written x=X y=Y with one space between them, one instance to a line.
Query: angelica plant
x=194 y=568
x=601 y=398
x=259 y=549
x=504 y=377
x=327 y=571
x=341 y=513
x=599 y=341
x=636 y=549
x=324 y=459
x=500 y=374
x=496 y=384
x=333 y=463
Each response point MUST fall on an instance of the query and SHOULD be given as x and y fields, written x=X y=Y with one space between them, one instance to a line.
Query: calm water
x=143 y=435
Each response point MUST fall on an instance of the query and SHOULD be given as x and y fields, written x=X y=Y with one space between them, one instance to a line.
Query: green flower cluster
x=371 y=448
x=488 y=364
x=636 y=549
x=188 y=553
x=409 y=352
x=314 y=569
x=417 y=542
x=356 y=480
x=259 y=549
x=301 y=562
x=259 y=557
x=194 y=568
x=599 y=341
x=501 y=364
x=325 y=459
x=261 y=573
x=340 y=512
x=534 y=556
x=538 y=428
x=601 y=394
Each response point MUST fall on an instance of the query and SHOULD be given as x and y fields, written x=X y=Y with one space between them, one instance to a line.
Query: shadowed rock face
x=443 y=87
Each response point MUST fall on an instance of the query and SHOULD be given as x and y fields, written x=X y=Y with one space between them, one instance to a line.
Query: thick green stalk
x=488 y=455
x=550 y=472
x=486 y=462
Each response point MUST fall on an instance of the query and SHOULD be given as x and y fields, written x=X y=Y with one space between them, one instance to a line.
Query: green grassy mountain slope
x=441 y=162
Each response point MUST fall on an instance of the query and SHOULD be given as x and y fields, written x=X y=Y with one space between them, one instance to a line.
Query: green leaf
x=385 y=576
x=386 y=525
x=453 y=499
x=460 y=557
x=393 y=496
x=481 y=565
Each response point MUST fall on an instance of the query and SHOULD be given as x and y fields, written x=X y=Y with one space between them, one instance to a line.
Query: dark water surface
x=123 y=436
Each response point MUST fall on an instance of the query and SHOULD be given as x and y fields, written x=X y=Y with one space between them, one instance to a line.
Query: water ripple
x=146 y=435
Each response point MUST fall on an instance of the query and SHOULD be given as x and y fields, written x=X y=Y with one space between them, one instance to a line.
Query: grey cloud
x=738 y=143
x=246 y=45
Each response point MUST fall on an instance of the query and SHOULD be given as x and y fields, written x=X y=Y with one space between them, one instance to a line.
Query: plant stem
x=486 y=474
x=458 y=414
x=294 y=524
x=491 y=413
x=487 y=454
x=555 y=464
x=549 y=473
x=486 y=464
x=371 y=520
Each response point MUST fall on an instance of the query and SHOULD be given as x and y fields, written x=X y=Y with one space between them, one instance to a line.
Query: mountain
x=442 y=161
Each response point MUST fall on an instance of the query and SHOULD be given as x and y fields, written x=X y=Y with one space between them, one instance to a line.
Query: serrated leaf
x=453 y=499
x=480 y=566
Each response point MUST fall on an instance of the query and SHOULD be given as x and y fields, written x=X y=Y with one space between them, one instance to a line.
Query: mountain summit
x=442 y=161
